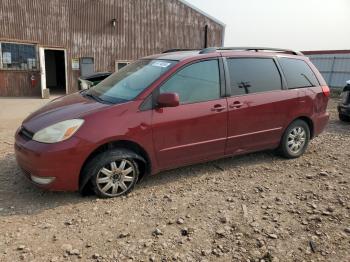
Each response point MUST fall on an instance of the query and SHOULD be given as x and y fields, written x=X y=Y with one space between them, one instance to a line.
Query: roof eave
x=203 y=13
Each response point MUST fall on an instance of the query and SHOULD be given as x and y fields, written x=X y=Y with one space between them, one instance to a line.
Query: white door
x=42 y=70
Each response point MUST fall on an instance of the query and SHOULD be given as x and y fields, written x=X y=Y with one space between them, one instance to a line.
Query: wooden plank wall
x=18 y=83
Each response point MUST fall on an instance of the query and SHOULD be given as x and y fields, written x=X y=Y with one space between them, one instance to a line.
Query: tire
x=113 y=173
x=295 y=140
x=344 y=118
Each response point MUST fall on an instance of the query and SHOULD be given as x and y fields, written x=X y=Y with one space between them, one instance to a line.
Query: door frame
x=43 y=67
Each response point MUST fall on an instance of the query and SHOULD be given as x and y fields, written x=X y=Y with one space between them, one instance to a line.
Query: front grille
x=25 y=133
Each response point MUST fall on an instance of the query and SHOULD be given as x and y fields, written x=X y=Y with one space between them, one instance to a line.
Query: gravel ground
x=257 y=207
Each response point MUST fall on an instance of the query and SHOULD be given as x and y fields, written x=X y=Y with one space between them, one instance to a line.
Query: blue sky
x=296 y=24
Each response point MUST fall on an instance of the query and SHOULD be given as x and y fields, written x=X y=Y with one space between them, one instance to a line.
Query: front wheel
x=295 y=139
x=113 y=174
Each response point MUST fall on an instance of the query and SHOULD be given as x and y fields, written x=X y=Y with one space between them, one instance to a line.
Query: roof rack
x=256 y=49
x=177 y=50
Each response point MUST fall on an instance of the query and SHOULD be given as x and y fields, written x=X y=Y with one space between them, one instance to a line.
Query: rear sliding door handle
x=236 y=104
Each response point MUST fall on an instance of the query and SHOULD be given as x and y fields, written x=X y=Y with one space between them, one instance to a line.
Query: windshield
x=129 y=82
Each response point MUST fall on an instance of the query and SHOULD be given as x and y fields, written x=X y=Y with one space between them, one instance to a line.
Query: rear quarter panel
x=312 y=103
x=320 y=116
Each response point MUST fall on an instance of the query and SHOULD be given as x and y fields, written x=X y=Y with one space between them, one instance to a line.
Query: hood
x=60 y=109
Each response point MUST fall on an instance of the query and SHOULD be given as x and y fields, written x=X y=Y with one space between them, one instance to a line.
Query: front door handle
x=236 y=104
x=218 y=108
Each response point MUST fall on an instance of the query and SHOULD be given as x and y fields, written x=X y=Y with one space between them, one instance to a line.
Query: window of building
x=87 y=66
x=120 y=64
x=298 y=74
x=198 y=82
x=18 y=56
x=253 y=75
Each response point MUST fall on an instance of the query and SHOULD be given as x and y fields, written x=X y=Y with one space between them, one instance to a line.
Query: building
x=334 y=65
x=50 y=43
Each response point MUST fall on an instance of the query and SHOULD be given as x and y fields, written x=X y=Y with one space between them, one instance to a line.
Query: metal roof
x=326 y=52
x=202 y=12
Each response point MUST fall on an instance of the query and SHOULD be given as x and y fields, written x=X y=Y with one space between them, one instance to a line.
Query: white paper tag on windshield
x=161 y=64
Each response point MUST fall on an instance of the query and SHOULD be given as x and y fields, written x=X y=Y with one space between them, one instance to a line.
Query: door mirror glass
x=168 y=100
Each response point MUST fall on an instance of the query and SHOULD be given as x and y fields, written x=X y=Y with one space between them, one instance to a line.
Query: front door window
x=195 y=83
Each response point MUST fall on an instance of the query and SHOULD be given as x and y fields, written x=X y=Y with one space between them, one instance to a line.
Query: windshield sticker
x=161 y=64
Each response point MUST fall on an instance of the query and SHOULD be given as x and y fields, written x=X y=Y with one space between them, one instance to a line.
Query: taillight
x=326 y=91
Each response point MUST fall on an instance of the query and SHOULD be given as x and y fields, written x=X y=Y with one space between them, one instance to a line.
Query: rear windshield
x=129 y=82
x=298 y=73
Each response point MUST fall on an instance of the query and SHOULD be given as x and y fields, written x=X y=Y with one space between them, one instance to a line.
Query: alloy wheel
x=296 y=139
x=116 y=178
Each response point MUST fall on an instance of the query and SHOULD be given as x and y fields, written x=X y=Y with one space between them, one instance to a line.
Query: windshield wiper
x=96 y=98
x=91 y=96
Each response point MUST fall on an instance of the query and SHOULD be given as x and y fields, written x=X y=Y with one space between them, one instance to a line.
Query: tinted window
x=298 y=74
x=253 y=75
x=195 y=83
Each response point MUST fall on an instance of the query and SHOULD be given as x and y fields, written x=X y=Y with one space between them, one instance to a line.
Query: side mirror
x=168 y=100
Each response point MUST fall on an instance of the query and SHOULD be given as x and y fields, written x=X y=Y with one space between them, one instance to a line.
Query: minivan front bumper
x=53 y=167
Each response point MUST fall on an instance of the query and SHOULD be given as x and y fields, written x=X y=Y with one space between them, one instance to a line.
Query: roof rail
x=177 y=50
x=256 y=49
x=209 y=50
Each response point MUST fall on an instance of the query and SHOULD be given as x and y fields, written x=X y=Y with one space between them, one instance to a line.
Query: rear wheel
x=113 y=174
x=295 y=139
x=344 y=118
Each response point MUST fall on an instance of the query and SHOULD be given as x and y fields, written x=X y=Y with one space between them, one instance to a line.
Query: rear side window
x=198 y=82
x=253 y=75
x=298 y=73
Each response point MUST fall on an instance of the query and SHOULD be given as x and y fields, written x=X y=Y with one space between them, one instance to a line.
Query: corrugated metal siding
x=335 y=68
x=83 y=28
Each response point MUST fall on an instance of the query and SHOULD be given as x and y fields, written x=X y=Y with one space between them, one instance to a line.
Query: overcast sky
x=296 y=24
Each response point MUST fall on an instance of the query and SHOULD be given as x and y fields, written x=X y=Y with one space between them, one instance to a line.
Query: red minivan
x=170 y=110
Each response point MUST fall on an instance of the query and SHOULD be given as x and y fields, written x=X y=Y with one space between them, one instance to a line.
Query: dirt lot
x=257 y=207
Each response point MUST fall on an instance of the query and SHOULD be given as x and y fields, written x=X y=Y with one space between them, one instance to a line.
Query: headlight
x=58 y=132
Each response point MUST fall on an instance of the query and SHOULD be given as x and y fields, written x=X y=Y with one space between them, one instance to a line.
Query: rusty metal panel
x=84 y=29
